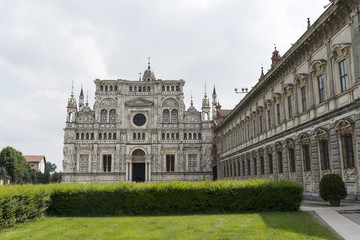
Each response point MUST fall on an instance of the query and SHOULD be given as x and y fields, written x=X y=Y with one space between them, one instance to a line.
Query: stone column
x=315 y=167
x=335 y=151
x=299 y=163
x=285 y=161
x=330 y=70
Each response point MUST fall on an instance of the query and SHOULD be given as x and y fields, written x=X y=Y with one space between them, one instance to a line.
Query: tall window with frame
x=306 y=157
x=280 y=162
x=321 y=88
x=270 y=161
x=343 y=76
x=290 y=106
x=249 y=167
x=278 y=113
x=262 y=165
x=170 y=163
x=255 y=166
x=303 y=98
x=243 y=168
x=348 y=151
x=292 y=160
x=107 y=163
x=269 y=119
x=324 y=154
x=261 y=124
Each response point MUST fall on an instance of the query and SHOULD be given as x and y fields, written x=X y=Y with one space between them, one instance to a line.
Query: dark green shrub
x=20 y=203
x=332 y=187
x=174 y=197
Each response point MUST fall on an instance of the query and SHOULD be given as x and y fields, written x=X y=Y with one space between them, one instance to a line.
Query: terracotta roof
x=224 y=112
x=34 y=158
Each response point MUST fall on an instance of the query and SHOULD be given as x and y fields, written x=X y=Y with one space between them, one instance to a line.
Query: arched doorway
x=138 y=166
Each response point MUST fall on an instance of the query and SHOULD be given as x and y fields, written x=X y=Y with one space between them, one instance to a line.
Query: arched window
x=87 y=136
x=106 y=88
x=92 y=136
x=148 y=88
x=134 y=136
x=190 y=136
x=109 y=136
x=144 y=89
x=105 y=136
x=167 y=136
x=114 y=136
x=77 y=136
x=103 y=115
x=115 y=88
x=172 y=136
x=135 y=89
x=101 y=88
x=112 y=115
x=166 y=116
x=163 y=88
x=100 y=136
x=163 y=136
x=177 y=136
x=177 y=88
x=139 y=89
x=174 y=116
x=139 y=136
x=143 y=136
x=111 y=87
x=167 y=88
x=172 y=88
x=130 y=88
x=82 y=136
x=185 y=136
x=199 y=136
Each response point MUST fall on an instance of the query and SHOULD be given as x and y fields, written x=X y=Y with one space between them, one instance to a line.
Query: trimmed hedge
x=19 y=203
x=174 y=197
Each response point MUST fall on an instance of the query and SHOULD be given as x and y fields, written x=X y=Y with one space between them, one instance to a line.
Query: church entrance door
x=138 y=172
x=138 y=166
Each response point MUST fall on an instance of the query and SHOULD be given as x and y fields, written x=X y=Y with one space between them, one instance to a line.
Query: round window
x=139 y=119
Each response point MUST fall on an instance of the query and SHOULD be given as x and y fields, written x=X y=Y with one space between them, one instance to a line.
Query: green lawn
x=273 y=225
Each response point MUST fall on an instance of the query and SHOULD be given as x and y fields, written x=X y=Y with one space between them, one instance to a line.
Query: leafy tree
x=15 y=164
x=3 y=173
x=56 y=177
x=50 y=167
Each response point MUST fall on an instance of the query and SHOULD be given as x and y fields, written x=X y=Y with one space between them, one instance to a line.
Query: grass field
x=270 y=225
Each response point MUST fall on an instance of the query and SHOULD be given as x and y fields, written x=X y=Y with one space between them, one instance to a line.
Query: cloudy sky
x=45 y=45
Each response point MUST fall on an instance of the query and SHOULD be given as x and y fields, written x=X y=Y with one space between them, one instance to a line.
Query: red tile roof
x=34 y=158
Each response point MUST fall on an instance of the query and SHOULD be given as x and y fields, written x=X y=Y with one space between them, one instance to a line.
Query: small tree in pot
x=332 y=188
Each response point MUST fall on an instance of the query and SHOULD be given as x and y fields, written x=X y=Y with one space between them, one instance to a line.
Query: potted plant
x=332 y=188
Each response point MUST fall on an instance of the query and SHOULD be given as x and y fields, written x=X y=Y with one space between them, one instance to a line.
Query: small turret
x=148 y=73
x=275 y=57
x=213 y=103
x=205 y=107
x=262 y=75
x=71 y=107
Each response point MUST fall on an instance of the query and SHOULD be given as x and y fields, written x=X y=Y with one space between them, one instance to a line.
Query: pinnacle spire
x=81 y=92
x=214 y=91
x=72 y=88
x=148 y=62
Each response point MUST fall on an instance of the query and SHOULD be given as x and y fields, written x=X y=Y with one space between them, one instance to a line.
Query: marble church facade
x=137 y=131
x=302 y=119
